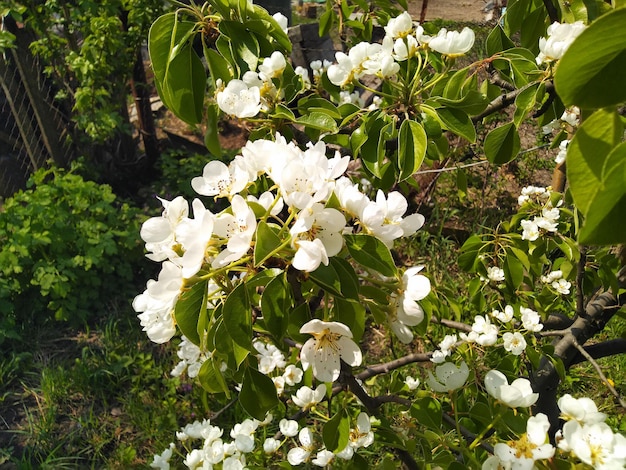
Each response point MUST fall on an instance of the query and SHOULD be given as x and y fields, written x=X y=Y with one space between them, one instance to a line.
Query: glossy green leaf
x=188 y=309
x=335 y=278
x=592 y=72
x=258 y=394
x=427 y=411
x=218 y=66
x=211 y=137
x=502 y=144
x=237 y=314
x=587 y=152
x=412 y=143
x=211 y=378
x=524 y=103
x=371 y=253
x=514 y=271
x=498 y=41
x=605 y=221
x=458 y=122
x=267 y=241
x=320 y=121
x=352 y=314
x=276 y=304
x=336 y=431
x=179 y=75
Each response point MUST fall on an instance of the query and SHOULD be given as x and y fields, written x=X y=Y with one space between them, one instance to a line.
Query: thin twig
x=598 y=369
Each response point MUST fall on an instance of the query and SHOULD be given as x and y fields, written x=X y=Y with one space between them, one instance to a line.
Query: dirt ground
x=454 y=10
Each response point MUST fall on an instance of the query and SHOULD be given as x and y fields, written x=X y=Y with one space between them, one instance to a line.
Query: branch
x=611 y=347
x=377 y=369
x=596 y=366
x=552 y=12
x=457 y=325
x=505 y=100
x=546 y=379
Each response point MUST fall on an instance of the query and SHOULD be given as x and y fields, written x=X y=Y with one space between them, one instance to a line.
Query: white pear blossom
x=562 y=155
x=292 y=375
x=411 y=382
x=299 y=455
x=415 y=287
x=162 y=461
x=384 y=219
x=307 y=398
x=159 y=233
x=495 y=274
x=448 y=377
x=485 y=332
x=156 y=304
x=288 y=427
x=238 y=228
x=220 y=180
x=533 y=193
x=571 y=116
x=445 y=349
x=560 y=37
x=583 y=410
x=531 y=447
x=530 y=230
x=282 y=21
x=269 y=356
x=331 y=342
x=453 y=43
x=317 y=223
x=400 y=26
x=195 y=235
x=504 y=316
x=323 y=458
x=239 y=100
x=514 y=342
x=272 y=66
x=191 y=357
x=518 y=394
x=531 y=321
x=405 y=48
x=594 y=444
x=270 y=445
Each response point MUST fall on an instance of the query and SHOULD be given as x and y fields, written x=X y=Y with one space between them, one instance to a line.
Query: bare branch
x=611 y=347
x=598 y=369
x=386 y=367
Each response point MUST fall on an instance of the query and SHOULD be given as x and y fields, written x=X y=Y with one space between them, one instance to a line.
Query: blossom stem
x=480 y=437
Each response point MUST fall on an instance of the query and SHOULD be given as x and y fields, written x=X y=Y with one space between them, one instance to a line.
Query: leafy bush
x=66 y=246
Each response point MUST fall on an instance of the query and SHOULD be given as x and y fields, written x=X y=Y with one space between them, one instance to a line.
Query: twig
x=596 y=366
x=468 y=435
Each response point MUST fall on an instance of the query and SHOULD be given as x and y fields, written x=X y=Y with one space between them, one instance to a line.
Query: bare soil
x=453 y=10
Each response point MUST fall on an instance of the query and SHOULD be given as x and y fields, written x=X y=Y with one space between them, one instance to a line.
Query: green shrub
x=67 y=246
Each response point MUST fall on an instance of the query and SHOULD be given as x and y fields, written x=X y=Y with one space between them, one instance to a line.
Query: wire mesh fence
x=32 y=129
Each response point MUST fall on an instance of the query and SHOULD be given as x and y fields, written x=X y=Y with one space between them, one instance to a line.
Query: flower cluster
x=303 y=182
x=403 y=40
x=206 y=447
x=539 y=200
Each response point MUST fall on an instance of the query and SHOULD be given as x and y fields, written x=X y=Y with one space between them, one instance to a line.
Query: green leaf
x=211 y=378
x=211 y=138
x=605 y=221
x=347 y=276
x=351 y=314
x=276 y=304
x=524 y=103
x=267 y=241
x=458 y=122
x=243 y=45
x=592 y=72
x=320 y=121
x=514 y=271
x=218 y=66
x=371 y=253
x=179 y=75
x=427 y=411
x=326 y=22
x=336 y=431
x=258 y=394
x=188 y=308
x=587 y=152
x=333 y=279
x=412 y=143
x=498 y=41
x=237 y=314
x=502 y=144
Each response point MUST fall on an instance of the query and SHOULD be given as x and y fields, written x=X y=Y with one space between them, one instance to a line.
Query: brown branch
x=546 y=379
x=552 y=11
x=457 y=325
x=378 y=369
x=505 y=100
